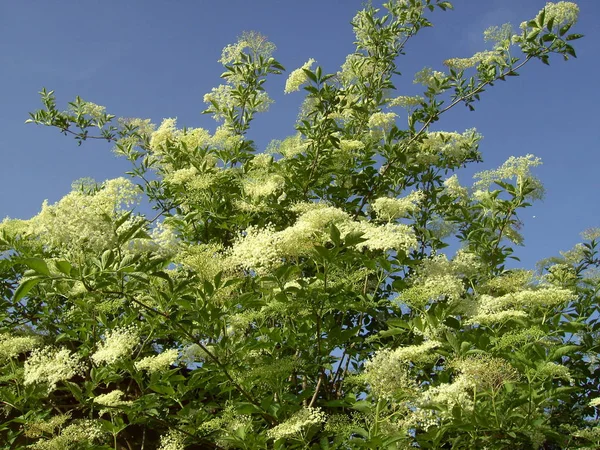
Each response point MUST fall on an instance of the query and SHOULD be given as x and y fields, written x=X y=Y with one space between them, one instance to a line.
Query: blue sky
x=156 y=59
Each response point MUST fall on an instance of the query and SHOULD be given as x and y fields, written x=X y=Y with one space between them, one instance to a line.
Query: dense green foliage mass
x=301 y=297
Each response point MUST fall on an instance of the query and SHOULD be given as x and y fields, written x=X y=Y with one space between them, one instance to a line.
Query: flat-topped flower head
x=117 y=344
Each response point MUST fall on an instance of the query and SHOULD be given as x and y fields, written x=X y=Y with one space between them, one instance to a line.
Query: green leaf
x=25 y=286
x=63 y=266
x=37 y=264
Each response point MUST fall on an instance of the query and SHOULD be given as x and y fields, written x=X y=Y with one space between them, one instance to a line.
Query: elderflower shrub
x=117 y=343
x=298 y=338
x=50 y=366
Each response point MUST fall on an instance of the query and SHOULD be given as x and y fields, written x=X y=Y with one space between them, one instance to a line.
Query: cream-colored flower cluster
x=518 y=168
x=78 y=220
x=430 y=78
x=482 y=372
x=298 y=77
x=390 y=209
x=222 y=97
x=262 y=249
x=450 y=147
x=488 y=57
x=387 y=372
x=405 y=101
x=79 y=432
x=290 y=146
x=294 y=426
x=381 y=121
x=173 y=440
x=562 y=13
x=118 y=343
x=439 y=278
x=12 y=345
x=168 y=135
x=51 y=365
x=158 y=363
x=113 y=400
x=552 y=370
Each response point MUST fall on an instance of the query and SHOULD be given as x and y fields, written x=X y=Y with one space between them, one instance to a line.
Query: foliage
x=300 y=297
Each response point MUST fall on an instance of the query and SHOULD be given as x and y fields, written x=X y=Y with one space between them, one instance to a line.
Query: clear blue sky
x=156 y=59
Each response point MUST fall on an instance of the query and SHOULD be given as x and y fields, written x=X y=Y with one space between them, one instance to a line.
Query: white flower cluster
x=12 y=346
x=387 y=372
x=113 y=399
x=117 y=344
x=173 y=440
x=297 y=423
x=488 y=57
x=297 y=77
x=450 y=147
x=430 y=78
x=381 y=121
x=158 y=363
x=454 y=189
x=262 y=249
x=518 y=168
x=390 y=209
x=562 y=13
x=50 y=365
x=440 y=278
x=78 y=220
x=80 y=432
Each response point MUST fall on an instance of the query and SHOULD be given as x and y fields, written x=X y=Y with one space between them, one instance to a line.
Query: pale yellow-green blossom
x=79 y=220
x=405 y=101
x=518 y=168
x=433 y=288
x=552 y=370
x=389 y=209
x=72 y=436
x=544 y=297
x=383 y=121
x=50 y=366
x=35 y=428
x=173 y=440
x=298 y=77
x=430 y=78
x=562 y=13
x=488 y=57
x=12 y=345
x=594 y=402
x=387 y=372
x=295 y=425
x=113 y=400
x=118 y=343
x=158 y=363
x=452 y=148
x=497 y=317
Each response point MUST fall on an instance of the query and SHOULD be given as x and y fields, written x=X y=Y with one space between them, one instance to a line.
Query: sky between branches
x=157 y=59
